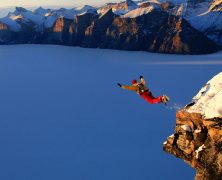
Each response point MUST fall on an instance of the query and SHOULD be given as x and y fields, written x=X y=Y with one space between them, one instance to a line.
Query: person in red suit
x=141 y=89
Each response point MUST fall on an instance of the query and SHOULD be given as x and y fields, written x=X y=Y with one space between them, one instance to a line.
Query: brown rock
x=201 y=147
x=3 y=26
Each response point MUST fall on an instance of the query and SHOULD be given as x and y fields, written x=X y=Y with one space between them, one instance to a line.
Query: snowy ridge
x=41 y=17
x=149 y=1
x=139 y=12
x=208 y=100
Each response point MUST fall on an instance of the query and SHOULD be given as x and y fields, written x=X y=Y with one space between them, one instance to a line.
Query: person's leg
x=150 y=98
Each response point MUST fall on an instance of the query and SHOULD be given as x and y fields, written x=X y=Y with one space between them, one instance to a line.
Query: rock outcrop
x=197 y=138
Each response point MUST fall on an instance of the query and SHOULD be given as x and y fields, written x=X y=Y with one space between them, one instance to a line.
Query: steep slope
x=5 y=33
x=11 y=24
x=79 y=26
x=130 y=5
x=206 y=16
x=157 y=31
x=140 y=11
x=198 y=133
x=95 y=33
x=59 y=32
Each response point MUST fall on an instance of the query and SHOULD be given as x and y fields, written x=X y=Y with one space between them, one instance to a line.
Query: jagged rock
x=19 y=10
x=157 y=31
x=95 y=33
x=167 y=6
x=197 y=139
x=25 y=35
x=60 y=32
x=78 y=27
x=3 y=26
x=5 y=34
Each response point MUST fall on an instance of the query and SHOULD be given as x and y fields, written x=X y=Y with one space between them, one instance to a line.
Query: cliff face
x=95 y=33
x=197 y=138
x=156 y=31
x=5 y=34
x=198 y=142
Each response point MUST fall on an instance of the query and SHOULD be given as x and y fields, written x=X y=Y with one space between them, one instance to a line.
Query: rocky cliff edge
x=197 y=138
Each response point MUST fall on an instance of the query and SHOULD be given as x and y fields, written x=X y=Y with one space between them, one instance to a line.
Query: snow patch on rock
x=186 y=128
x=139 y=12
x=201 y=148
x=208 y=100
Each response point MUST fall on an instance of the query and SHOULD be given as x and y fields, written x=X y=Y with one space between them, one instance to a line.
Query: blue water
x=63 y=117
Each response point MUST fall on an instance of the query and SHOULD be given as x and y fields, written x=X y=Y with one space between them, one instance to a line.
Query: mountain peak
x=20 y=10
x=107 y=13
x=40 y=10
x=85 y=8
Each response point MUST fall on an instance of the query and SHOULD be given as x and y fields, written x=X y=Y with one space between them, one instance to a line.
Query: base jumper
x=141 y=89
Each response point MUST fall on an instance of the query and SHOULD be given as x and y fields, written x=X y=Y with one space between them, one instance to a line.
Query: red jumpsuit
x=150 y=98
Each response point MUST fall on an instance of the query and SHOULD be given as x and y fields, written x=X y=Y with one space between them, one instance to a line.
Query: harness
x=142 y=88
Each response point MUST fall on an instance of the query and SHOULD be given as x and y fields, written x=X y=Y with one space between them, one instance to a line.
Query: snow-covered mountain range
x=202 y=16
x=41 y=18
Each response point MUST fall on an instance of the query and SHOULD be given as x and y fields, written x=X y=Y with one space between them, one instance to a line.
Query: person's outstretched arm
x=133 y=88
x=142 y=80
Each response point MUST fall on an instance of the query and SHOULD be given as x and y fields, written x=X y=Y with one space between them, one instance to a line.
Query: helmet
x=134 y=81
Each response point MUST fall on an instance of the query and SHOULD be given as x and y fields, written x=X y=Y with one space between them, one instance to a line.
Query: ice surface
x=64 y=117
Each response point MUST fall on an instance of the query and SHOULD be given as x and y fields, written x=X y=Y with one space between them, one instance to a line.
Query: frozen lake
x=63 y=116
